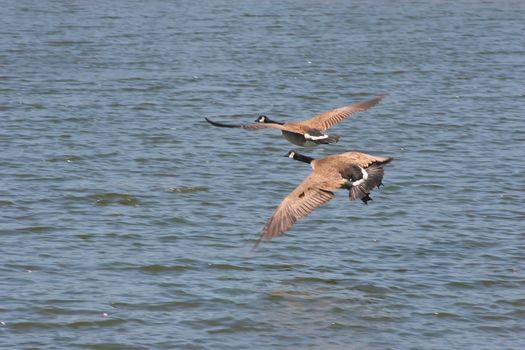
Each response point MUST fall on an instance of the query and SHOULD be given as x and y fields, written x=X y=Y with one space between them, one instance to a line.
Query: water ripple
x=127 y=220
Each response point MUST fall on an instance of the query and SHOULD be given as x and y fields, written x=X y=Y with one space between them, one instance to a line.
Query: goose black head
x=262 y=119
x=300 y=157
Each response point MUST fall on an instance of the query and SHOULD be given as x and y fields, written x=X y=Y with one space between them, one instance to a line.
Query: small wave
x=34 y=229
x=67 y=42
x=154 y=269
x=188 y=189
x=25 y=326
x=228 y=267
x=95 y=324
x=166 y=306
x=116 y=198
x=312 y=280
x=66 y=158
x=443 y=314
x=370 y=288
x=112 y=346
x=245 y=325
x=285 y=294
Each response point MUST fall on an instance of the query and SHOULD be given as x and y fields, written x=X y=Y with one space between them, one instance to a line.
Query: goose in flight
x=357 y=172
x=310 y=132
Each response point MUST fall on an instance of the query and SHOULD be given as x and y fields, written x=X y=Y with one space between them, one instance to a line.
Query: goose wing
x=375 y=174
x=373 y=166
x=313 y=192
x=360 y=159
x=251 y=126
x=328 y=119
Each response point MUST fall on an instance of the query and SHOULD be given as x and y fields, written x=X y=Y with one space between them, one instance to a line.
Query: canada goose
x=357 y=172
x=310 y=132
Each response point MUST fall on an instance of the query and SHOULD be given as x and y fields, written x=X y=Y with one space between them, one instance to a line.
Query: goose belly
x=298 y=139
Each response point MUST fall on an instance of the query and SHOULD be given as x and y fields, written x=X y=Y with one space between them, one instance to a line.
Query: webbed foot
x=366 y=198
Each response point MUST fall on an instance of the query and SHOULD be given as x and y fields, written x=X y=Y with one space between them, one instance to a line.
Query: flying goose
x=357 y=172
x=310 y=132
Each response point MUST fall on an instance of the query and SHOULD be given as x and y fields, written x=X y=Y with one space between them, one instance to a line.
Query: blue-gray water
x=125 y=219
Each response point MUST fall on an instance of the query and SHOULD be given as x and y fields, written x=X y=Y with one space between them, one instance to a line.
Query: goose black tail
x=329 y=139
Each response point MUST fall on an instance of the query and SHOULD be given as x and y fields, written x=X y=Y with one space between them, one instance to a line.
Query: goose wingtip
x=262 y=237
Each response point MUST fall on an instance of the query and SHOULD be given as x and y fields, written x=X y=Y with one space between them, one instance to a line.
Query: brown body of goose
x=310 y=132
x=357 y=172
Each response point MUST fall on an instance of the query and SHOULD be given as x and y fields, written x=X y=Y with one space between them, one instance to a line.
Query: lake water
x=126 y=220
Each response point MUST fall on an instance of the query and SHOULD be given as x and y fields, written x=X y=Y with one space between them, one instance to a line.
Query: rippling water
x=125 y=219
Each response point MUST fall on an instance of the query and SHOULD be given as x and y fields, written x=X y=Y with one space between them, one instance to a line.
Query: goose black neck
x=268 y=120
x=303 y=158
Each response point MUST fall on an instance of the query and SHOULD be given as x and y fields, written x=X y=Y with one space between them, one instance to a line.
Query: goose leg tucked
x=366 y=198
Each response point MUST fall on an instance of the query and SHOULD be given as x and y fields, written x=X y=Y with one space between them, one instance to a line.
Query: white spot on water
x=2 y=323
x=309 y=62
x=105 y=314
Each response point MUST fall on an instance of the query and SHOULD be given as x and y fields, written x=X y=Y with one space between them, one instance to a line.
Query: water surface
x=126 y=219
